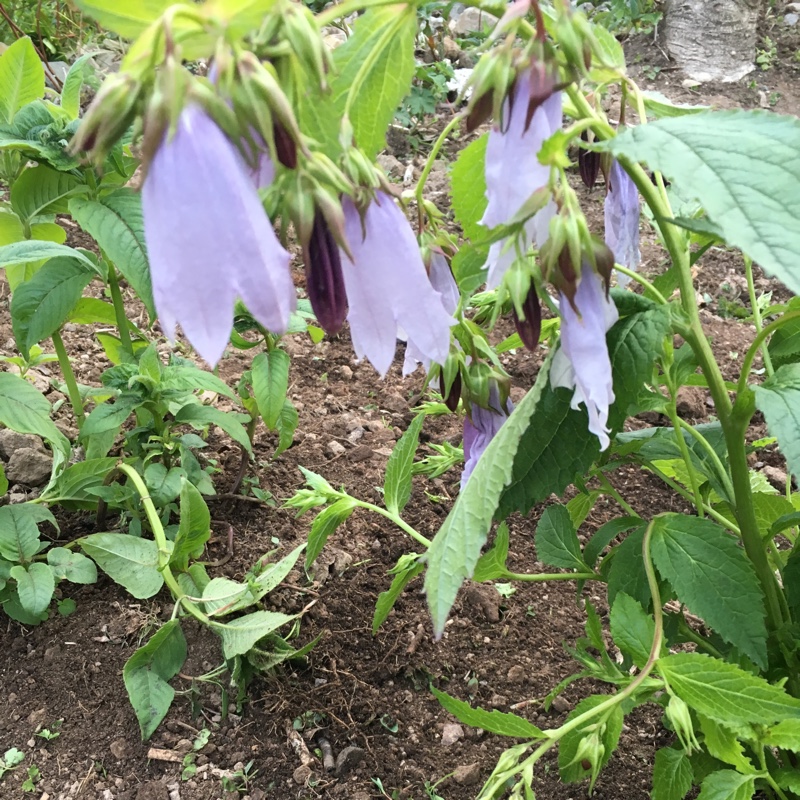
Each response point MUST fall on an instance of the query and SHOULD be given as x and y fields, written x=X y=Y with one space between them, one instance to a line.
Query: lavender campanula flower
x=209 y=240
x=622 y=219
x=388 y=287
x=442 y=280
x=513 y=173
x=481 y=429
x=582 y=362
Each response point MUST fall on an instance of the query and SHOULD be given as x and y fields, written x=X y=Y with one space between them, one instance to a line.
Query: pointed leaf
x=556 y=541
x=130 y=562
x=21 y=76
x=243 y=633
x=397 y=485
x=35 y=586
x=194 y=529
x=270 y=383
x=672 y=775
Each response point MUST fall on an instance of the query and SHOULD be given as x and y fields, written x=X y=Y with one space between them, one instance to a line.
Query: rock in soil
x=11 y=441
x=152 y=790
x=348 y=759
x=29 y=467
x=467 y=775
x=451 y=733
x=691 y=402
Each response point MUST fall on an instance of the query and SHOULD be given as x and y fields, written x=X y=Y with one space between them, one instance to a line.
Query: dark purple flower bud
x=588 y=163
x=285 y=146
x=452 y=397
x=529 y=328
x=542 y=84
x=480 y=111
x=324 y=280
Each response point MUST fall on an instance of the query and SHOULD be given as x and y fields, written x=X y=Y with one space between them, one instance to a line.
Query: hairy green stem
x=119 y=312
x=706 y=445
x=426 y=171
x=608 y=488
x=69 y=379
x=641 y=280
x=757 y=321
x=761 y=337
x=687 y=459
x=401 y=523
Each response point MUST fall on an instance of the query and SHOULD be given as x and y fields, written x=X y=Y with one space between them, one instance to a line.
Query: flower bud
x=529 y=325
x=301 y=31
x=680 y=718
x=588 y=163
x=452 y=394
x=110 y=114
x=603 y=260
x=491 y=81
x=542 y=85
x=324 y=280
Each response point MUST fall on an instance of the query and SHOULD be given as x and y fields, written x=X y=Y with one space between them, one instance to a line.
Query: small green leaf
x=270 y=383
x=19 y=532
x=727 y=785
x=605 y=534
x=199 y=416
x=402 y=578
x=21 y=76
x=35 y=586
x=672 y=775
x=71 y=566
x=194 y=529
x=556 y=541
x=325 y=523
x=287 y=425
x=397 y=485
x=785 y=735
x=242 y=634
x=712 y=576
x=497 y=722
x=725 y=692
x=130 y=562
x=269 y=579
x=164 y=484
x=632 y=629
x=778 y=398
x=73 y=83
x=146 y=674
x=492 y=564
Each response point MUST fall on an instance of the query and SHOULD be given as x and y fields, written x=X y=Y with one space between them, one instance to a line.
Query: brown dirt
x=365 y=691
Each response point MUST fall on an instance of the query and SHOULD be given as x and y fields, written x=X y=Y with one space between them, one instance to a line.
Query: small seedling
x=48 y=734
x=239 y=781
x=34 y=775
x=11 y=759
x=189 y=766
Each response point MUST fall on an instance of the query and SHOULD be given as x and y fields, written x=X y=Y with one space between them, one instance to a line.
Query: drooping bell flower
x=388 y=287
x=209 y=240
x=324 y=280
x=513 y=171
x=622 y=219
x=442 y=280
x=582 y=362
x=481 y=428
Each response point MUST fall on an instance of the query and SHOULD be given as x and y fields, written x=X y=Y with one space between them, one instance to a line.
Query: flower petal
x=481 y=429
x=622 y=220
x=209 y=240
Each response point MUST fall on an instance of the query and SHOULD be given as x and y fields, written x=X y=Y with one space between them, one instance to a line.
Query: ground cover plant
x=272 y=149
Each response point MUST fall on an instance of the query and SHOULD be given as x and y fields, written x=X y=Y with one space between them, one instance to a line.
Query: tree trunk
x=712 y=40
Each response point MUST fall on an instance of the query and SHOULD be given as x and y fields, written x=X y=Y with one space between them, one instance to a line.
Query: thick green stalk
x=119 y=312
x=69 y=379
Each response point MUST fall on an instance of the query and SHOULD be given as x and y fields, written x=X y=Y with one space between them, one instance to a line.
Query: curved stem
x=402 y=524
x=608 y=488
x=757 y=321
x=704 y=443
x=69 y=379
x=761 y=337
x=119 y=312
x=437 y=146
x=659 y=298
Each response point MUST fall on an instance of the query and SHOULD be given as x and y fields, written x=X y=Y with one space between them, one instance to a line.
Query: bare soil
x=363 y=691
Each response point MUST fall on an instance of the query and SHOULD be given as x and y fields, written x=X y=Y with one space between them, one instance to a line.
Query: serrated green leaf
x=38 y=250
x=627 y=572
x=784 y=344
x=456 y=548
x=115 y=222
x=468 y=189
x=199 y=416
x=710 y=156
x=724 y=692
x=240 y=635
x=580 y=506
x=556 y=541
x=270 y=373
x=21 y=76
x=788 y=778
x=497 y=722
x=727 y=785
x=146 y=674
x=397 y=485
x=325 y=523
x=35 y=586
x=128 y=18
x=712 y=576
x=43 y=190
x=572 y=770
x=721 y=742
x=605 y=534
x=40 y=306
x=785 y=735
x=492 y=564
x=71 y=566
x=672 y=775
x=778 y=399
x=128 y=561
x=194 y=529
x=632 y=629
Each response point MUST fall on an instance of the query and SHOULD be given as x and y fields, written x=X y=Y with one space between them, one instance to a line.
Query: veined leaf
x=492 y=721
x=397 y=485
x=21 y=76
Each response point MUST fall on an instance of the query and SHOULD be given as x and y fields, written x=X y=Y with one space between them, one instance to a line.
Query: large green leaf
x=21 y=78
x=724 y=692
x=36 y=250
x=468 y=188
x=43 y=190
x=194 y=529
x=557 y=445
x=631 y=628
x=712 y=576
x=492 y=721
x=24 y=409
x=115 y=222
x=778 y=398
x=73 y=83
x=726 y=784
x=743 y=167
x=373 y=69
x=270 y=373
x=146 y=674
x=672 y=775
x=130 y=562
x=454 y=551
x=40 y=306
x=397 y=484
x=128 y=18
